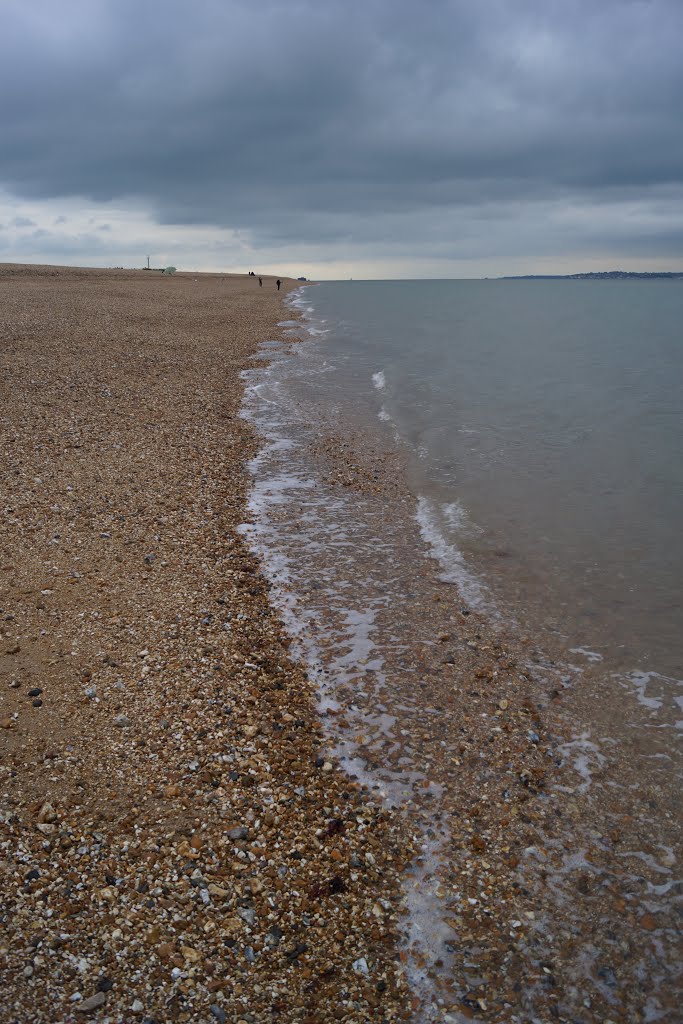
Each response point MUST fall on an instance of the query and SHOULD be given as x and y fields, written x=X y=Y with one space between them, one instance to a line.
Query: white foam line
x=448 y=556
x=276 y=481
x=589 y=655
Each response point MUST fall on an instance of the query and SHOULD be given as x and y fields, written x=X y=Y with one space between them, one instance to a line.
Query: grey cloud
x=44 y=245
x=343 y=121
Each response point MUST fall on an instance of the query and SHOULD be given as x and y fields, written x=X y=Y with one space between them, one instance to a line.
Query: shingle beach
x=177 y=840
x=173 y=847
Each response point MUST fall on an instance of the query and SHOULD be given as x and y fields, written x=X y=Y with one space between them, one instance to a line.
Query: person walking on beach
x=260 y=282
x=278 y=283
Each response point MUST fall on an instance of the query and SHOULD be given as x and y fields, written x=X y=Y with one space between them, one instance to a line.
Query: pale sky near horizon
x=343 y=138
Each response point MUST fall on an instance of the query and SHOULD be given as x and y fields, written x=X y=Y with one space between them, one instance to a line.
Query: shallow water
x=400 y=619
x=548 y=417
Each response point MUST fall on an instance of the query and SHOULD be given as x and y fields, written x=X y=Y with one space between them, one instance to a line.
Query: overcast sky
x=336 y=138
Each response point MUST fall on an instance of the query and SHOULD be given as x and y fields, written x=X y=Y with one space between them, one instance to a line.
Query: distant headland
x=604 y=275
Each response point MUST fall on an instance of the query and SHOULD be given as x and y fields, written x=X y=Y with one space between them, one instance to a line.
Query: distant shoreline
x=605 y=275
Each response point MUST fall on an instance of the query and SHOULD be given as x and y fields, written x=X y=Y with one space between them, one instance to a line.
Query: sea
x=507 y=454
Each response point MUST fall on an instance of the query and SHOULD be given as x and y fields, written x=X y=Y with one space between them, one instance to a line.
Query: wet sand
x=175 y=844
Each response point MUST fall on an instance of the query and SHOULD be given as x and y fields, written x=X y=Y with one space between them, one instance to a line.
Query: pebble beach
x=187 y=832
x=174 y=844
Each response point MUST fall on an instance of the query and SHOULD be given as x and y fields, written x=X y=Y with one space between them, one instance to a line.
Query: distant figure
x=260 y=282
x=278 y=283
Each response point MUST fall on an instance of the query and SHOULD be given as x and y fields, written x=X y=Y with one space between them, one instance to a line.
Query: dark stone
x=105 y=984
x=608 y=976
x=240 y=832
x=37 y=703
x=294 y=954
x=35 y=692
x=33 y=875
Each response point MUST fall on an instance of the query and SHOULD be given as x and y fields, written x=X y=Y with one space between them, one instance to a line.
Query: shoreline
x=550 y=873
x=174 y=846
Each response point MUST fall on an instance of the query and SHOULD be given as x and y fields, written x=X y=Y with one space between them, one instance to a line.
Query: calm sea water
x=544 y=426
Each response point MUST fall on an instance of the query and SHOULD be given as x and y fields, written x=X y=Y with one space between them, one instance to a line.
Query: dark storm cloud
x=332 y=121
